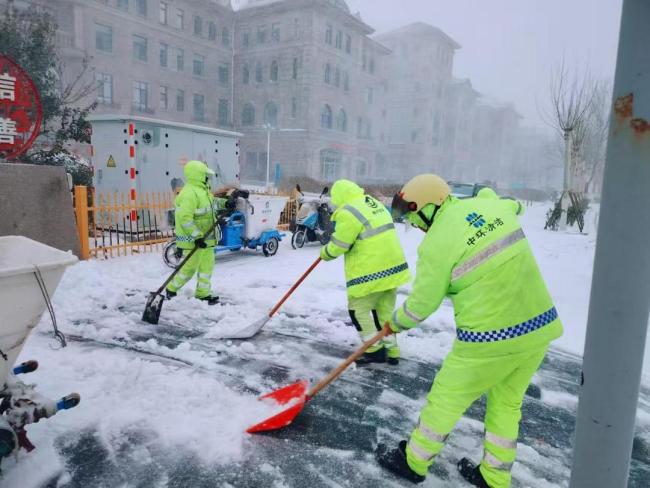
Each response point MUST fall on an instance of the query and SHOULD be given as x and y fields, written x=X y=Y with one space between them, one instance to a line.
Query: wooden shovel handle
x=293 y=288
x=353 y=357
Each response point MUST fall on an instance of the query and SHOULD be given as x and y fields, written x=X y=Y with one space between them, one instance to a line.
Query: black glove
x=200 y=242
x=243 y=193
x=231 y=203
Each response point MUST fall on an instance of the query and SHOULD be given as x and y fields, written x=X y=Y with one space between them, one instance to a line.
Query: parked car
x=465 y=190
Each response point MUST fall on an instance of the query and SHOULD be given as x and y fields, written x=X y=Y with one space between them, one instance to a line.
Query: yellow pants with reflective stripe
x=461 y=381
x=370 y=313
x=201 y=264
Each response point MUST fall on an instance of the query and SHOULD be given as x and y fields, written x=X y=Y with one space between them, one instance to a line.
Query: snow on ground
x=170 y=403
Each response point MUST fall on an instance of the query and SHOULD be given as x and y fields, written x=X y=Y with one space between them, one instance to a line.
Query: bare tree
x=594 y=146
x=571 y=97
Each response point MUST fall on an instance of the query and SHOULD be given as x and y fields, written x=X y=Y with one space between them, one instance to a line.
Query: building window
x=225 y=37
x=104 y=88
x=330 y=164
x=326 y=117
x=246 y=74
x=140 y=95
x=223 y=112
x=198 y=108
x=271 y=114
x=364 y=61
x=337 y=77
x=198 y=65
x=294 y=107
x=180 y=100
x=328 y=35
x=212 y=31
x=296 y=28
x=140 y=48
x=415 y=135
x=246 y=38
x=339 y=40
x=328 y=73
x=274 y=71
x=164 y=52
x=104 y=38
x=141 y=7
x=180 y=60
x=372 y=65
x=163 y=13
x=346 y=81
x=435 y=139
x=248 y=115
x=164 y=97
x=294 y=74
x=224 y=74
x=370 y=96
x=261 y=34
x=179 y=20
x=359 y=127
x=259 y=75
x=123 y=4
x=342 y=121
x=348 y=44
x=275 y=32
x=198 y=26
x=360 y=168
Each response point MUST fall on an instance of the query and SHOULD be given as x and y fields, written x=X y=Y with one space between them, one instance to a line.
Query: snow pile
x=179 y=386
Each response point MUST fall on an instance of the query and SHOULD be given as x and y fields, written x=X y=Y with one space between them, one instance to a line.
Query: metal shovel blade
x=295 y=395
x=248 y=331
x=153 y=308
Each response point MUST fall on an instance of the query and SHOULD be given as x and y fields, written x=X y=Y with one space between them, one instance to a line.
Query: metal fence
x=107 y=230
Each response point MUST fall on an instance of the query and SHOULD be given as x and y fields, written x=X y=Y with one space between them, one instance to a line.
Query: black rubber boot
x=471 y=473
x=395 y=461
x=379 y=356
x=170 y=294
x=212 y=300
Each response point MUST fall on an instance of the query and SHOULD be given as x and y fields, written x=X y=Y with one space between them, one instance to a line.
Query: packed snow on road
x=168 y=405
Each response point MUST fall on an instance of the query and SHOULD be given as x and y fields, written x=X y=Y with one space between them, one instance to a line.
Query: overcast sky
x=510 y=46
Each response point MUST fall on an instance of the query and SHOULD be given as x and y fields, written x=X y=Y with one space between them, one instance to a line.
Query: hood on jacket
x=196 y=172
x=345 y=191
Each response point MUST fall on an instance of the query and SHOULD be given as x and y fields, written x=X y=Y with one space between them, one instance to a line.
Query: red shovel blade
x=295 y=394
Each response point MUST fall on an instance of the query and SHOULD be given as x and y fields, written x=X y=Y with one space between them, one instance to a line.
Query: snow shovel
x=256 y=326
x=155 y=301
x=295 y=395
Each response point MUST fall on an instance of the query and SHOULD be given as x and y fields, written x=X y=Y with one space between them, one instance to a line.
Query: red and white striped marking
x=133 y=194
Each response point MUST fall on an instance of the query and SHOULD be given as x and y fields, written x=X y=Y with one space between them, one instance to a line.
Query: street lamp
x=268 y=128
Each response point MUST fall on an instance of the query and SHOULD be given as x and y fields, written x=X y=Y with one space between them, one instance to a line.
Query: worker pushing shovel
x=375 y=265
x=197 y=233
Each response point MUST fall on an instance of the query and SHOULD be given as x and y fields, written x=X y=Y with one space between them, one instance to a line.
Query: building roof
x=418 y=29
x=243 y=4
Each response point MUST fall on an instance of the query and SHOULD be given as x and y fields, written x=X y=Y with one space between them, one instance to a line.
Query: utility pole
x=620 y=292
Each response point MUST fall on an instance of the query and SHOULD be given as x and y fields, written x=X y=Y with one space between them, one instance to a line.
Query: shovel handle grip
x=293 y=288
x=353 y=357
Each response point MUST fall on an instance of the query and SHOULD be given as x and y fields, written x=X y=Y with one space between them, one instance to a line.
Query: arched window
x=326 y=117
x=274 y=71
x=342 y=121
x=246 y=74
x=259 y=74
x=337 y=77
x=248 y=115
x=271 y=114
x=328 y=73
x=330 y=164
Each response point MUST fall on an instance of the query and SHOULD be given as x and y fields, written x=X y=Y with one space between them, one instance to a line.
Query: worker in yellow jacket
x=475 y=253
x=374 y=264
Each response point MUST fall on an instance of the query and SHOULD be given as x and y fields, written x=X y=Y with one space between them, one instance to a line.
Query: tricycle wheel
x=298 y=239
x=270 y=247
x=172 y=255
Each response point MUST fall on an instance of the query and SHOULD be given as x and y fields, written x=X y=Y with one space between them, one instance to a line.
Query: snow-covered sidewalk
x=168 y=405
